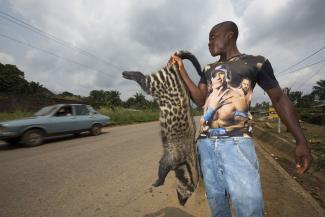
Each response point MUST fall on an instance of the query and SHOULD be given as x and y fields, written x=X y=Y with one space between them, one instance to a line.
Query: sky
x=83 y=45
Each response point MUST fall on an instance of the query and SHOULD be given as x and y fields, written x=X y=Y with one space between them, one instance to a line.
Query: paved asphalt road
x=111 y=175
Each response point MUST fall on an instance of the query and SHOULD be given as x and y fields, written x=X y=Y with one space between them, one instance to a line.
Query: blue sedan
x=53 y=120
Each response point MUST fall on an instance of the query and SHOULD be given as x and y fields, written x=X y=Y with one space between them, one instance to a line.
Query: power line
x=285 y=70
x=302 y=84
x=304 y=67
x=50 y=53
x=50 y=36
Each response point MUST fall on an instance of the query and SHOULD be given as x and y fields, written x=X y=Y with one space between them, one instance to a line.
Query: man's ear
x=230 y=35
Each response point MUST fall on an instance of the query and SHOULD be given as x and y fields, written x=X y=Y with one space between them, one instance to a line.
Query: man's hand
x=174 y=59
x=217 y=99
x=285 y=110
x=198 y=93
x=303 y=158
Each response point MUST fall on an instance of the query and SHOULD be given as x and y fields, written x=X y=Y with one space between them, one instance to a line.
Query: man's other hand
x=303 y=158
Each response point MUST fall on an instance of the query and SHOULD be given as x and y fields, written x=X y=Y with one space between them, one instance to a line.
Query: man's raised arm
x=198 y=93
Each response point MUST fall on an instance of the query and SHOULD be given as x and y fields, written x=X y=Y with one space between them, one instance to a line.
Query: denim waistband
x=226 y=138
x=222 y=132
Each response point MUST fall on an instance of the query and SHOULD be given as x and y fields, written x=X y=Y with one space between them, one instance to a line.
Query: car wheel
x=95 y=130
x=12 y=141
x=33 y=138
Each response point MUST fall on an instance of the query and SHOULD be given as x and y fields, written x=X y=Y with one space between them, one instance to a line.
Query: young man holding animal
x=227 y=155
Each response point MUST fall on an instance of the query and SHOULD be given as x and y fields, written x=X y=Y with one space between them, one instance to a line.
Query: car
x=53 y=120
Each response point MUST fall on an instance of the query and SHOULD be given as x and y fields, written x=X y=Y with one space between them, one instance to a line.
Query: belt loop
x=235 y=140
x=216 y=144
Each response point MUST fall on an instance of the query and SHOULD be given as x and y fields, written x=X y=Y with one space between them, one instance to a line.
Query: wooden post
x=323 y=119
x=285 y=91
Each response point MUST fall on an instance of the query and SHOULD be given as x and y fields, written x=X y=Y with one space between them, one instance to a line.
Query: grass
x=128 y=116
x=122 y=115
x=6 y=116
x=119 y=115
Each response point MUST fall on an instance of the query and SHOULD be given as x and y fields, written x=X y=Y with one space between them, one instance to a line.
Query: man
x=227 y=156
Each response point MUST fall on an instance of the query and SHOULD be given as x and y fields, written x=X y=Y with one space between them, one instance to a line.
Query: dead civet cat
x=177 y=124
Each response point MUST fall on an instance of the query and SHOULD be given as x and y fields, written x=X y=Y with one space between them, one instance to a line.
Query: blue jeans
x=230 y=170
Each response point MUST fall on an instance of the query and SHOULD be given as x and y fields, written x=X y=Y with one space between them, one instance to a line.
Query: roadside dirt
x=111 y=175
x=281 y=147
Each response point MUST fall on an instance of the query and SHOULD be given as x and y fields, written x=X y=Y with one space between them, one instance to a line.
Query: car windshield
x=46 y=110
x=92 y=110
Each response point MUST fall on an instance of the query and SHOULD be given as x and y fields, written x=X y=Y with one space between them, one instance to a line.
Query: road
x=111 y=175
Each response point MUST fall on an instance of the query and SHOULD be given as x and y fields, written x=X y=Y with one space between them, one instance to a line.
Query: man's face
x=245 y=85
x=218 y=80
x=217 y=41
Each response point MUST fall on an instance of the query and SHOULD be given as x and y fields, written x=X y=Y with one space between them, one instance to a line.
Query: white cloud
x=140 y=35
x=7 y=59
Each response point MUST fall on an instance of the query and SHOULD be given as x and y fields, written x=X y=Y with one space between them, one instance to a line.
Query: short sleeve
x=265 y=76
x=203 y=79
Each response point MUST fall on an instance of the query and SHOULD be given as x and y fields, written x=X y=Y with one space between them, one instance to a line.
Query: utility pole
x=285 y=91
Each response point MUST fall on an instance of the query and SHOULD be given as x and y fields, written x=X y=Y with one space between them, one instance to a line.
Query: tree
x=97 y=98
x=66 y=94
x=105 y=98
x=139 y=101
x=261 y=106
x=12 y=80
x=319 y=89
x=306 y=101
x=35 y=88
x=114 y=98
x=295 y=97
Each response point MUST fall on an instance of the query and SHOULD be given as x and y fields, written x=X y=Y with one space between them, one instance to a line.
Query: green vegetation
x=118 y=115
x=306 y=105
x=13 y=81
x=122 y=115
x=5 y=116
x=25 y=98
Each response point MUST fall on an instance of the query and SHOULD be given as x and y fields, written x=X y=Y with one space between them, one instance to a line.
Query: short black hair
x=223 y=70
x=229 y=26
x=214 y=73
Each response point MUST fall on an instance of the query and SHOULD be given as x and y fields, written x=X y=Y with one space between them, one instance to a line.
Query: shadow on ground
x=169 y=212
x=53 y=139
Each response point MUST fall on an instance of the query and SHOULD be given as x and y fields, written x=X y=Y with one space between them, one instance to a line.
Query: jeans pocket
x=246 y=149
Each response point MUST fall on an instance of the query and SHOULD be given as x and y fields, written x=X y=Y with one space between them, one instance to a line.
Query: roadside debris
x=268 y=125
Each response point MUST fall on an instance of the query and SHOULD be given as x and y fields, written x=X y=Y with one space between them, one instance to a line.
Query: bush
x=122 y=115
x=313 y=118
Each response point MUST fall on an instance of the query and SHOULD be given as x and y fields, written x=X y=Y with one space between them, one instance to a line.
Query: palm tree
x=319 y=89
x=140 y=100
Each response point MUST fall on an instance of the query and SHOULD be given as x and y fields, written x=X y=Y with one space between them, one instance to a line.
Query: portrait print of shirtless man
x=226 y=107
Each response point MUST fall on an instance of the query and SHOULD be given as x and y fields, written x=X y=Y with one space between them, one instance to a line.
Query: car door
x=63 y=120
x=84 y=117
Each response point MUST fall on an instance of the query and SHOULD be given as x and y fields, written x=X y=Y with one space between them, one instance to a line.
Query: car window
x=45 y=111
x=81 y=110
x=64 y=111
x=92 y=110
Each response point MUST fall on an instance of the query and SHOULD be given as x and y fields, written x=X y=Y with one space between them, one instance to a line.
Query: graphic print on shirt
x=230 y=88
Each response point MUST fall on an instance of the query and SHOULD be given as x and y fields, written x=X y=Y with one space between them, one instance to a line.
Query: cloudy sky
x=81 y=45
